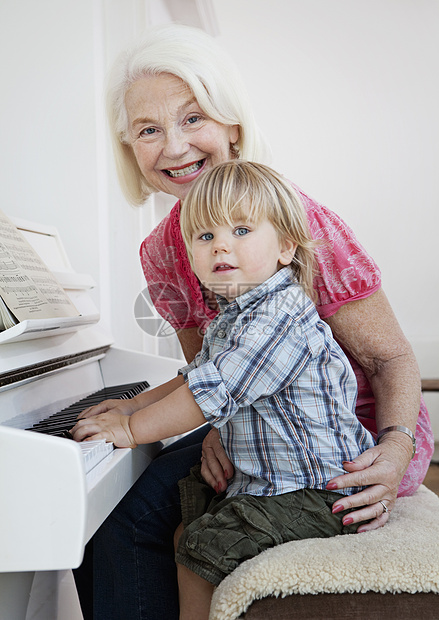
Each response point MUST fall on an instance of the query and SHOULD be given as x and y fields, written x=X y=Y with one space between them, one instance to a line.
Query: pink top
x=346 y=273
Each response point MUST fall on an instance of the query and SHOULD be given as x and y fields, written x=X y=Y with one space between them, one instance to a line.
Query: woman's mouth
x=176 y=173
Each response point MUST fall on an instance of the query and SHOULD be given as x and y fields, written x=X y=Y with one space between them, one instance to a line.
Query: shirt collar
x=279 y=281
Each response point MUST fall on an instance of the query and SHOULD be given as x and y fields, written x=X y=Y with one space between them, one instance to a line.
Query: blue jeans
x=135 y=575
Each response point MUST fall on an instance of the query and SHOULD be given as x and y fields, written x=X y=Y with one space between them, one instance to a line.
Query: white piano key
x=93 y=452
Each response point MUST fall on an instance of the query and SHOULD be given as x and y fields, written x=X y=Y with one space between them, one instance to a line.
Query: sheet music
x=28 y=289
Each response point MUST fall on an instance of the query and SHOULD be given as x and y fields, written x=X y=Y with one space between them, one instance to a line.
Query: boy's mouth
x=223 y=267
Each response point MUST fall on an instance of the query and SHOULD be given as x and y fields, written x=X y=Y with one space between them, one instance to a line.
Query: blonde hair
x=193 y=56
x=241 y=190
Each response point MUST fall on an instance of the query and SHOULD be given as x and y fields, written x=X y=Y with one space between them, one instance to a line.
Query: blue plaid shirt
x=272 y=379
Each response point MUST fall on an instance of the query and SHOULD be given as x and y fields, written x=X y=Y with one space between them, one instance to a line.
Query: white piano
x=54 y=494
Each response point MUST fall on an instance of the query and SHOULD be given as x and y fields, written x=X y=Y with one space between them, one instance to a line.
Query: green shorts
x=220 y=533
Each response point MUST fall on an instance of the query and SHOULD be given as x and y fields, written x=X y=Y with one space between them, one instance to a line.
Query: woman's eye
x=206 y=237
x=241 y=231
x=193 y=119
x=149 y=131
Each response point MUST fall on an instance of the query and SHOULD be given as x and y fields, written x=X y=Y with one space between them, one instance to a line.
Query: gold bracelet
x=402 y=429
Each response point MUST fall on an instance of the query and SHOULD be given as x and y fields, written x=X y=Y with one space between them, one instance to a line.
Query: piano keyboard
x=60 y=422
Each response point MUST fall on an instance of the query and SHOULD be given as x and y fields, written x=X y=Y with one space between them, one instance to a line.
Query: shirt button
x=221 y=333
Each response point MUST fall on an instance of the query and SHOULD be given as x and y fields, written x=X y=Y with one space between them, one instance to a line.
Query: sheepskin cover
x=402 y=556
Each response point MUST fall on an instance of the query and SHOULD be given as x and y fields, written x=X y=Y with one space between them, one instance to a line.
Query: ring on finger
x=385 y=509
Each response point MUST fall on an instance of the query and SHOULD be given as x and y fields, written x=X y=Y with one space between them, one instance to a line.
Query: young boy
x=270 y=377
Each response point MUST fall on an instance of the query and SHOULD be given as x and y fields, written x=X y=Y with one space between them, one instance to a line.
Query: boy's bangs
x=220 y=210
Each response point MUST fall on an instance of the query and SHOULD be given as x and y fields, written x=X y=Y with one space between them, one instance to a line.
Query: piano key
x=59 y=423
x=93 y=452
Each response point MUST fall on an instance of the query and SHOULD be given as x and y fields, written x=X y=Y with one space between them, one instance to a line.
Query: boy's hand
x=124 y=407
x=111 y=426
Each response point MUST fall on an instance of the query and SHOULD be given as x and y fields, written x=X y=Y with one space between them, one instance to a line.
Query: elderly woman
x=177 y=107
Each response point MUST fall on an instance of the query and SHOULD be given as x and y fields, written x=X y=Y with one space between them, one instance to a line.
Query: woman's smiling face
x=173 y=140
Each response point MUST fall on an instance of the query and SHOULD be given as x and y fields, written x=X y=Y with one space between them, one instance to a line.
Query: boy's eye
x=206 y=237
x=241 y=231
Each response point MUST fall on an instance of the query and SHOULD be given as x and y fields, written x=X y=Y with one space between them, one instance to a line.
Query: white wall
x=48 y=166
x=347 y=93
x=48 y=149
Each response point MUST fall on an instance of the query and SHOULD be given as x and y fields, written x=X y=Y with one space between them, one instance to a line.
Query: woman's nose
x=175 y=144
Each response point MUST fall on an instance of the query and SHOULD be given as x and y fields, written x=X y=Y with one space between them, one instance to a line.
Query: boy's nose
x=220 y=245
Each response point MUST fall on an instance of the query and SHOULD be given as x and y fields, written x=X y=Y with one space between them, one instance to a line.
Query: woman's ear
x=234 y=131
x=287 y=251
x=233 y=139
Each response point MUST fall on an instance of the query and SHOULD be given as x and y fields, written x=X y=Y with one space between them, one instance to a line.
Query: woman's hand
x=381 y=469
x=216 y=468
x=111 y=426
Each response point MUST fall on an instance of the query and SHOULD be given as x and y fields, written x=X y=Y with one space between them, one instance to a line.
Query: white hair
x=195 y=57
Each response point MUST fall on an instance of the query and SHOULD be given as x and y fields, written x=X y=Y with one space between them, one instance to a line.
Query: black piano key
x=125 y=391
x=60 y=422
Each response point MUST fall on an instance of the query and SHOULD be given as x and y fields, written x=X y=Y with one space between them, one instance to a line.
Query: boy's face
x=231 y=260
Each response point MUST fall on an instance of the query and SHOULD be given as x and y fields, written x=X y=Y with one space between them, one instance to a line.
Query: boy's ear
x=287 y=251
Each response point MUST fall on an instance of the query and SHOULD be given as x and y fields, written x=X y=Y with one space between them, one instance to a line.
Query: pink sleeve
x=346 y=271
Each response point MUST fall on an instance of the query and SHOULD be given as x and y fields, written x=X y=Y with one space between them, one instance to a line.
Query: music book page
x=28 y=289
